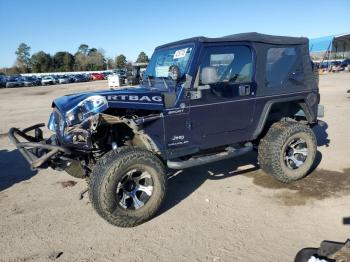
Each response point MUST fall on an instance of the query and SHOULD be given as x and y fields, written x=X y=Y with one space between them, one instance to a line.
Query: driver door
x=224 y=112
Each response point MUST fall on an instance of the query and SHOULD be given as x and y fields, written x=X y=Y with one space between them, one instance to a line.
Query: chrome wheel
x=296 y=153
x=134 y=189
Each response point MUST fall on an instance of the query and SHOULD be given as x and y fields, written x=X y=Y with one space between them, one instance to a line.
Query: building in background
x=333 y=47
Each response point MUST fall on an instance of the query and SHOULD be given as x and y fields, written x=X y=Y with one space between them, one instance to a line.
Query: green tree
x=142 y=58
x=84 y=49
x=120 y=61
x=86 y=59
x=23 y=58
x=63 y=62
x=96 y=60
x=80 y=62
x=41 y=62
x=10 y=70
x=80 y=58
x=110 y=63
x=92 y=51
x=68 y=62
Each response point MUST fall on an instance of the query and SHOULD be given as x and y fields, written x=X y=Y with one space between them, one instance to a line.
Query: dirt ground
x=227 y=211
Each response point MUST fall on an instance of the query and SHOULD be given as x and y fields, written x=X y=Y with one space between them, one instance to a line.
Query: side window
x=233 y=64
x=281 y=61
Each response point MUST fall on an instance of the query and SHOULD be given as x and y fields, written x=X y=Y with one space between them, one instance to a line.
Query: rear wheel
x=288 y=151
x=128 y=186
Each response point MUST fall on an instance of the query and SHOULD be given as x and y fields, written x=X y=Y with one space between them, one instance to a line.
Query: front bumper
x=36 y=150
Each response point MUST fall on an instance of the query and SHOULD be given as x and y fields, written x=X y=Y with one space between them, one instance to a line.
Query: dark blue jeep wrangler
x=201 y=100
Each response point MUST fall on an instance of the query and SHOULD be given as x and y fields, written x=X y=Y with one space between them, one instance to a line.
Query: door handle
x=244 y=90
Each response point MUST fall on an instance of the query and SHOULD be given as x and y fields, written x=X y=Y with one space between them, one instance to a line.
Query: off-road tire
x=273 y=145
x=109 y=171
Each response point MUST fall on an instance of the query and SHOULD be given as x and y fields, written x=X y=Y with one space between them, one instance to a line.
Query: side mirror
x=208 y=75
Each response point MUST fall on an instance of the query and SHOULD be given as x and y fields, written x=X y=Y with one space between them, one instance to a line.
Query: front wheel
x=288 y=151
x=128 y=186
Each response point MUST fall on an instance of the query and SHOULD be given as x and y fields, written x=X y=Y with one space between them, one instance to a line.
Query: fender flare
x=267 y=107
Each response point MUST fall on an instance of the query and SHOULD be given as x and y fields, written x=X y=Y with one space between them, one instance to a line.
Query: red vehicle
x=97 y=76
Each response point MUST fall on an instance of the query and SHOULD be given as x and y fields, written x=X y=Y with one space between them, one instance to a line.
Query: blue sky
x=131 y=26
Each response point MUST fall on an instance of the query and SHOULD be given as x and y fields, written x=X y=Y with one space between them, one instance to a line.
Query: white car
x=63 y=80
x=48 y=80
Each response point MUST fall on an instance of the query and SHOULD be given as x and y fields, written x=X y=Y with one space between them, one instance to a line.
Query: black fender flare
x=266 y=111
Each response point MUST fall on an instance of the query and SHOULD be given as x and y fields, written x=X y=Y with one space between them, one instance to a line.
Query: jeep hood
x=135 y=97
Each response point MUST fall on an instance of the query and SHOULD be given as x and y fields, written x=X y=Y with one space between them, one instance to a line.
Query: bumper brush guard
x=31 y=148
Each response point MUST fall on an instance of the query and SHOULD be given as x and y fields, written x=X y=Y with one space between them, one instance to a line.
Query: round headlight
x=86 y=108
x=52 y=126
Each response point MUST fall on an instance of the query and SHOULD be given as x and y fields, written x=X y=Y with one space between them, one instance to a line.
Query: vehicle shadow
x=13 y=169
x=182 y=183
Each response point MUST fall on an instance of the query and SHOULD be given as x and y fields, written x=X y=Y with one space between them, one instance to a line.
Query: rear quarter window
x=280 y=62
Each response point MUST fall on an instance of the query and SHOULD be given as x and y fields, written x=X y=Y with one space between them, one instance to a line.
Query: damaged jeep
x=200 y=100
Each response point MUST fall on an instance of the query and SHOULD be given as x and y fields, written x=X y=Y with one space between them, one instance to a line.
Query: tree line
x=85 y=59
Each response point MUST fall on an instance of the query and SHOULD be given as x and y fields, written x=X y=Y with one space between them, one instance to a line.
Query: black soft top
x=245 y=37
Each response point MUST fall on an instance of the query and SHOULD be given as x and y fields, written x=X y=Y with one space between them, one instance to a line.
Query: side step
x=230 y=152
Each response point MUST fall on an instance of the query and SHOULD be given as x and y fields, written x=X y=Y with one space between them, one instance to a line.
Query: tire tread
x=103 y=173
x=270 y=146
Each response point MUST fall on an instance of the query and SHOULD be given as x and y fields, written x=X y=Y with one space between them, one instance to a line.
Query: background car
x=62 y=79
x=14 y=81
x=97 y=76
x=334 y=66
x=323 y=65
x=106 y=74
x=80 y=78
x=345 y=64
x=30 y=81
x=37 y=80
x=2 y=81
x=48 y=80
x=70 y=78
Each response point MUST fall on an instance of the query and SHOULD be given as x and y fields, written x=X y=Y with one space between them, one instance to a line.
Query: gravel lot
x=227 y=211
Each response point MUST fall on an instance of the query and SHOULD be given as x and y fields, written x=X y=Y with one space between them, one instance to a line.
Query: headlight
x=56 y=123
x=52 y=124
x=86 y=108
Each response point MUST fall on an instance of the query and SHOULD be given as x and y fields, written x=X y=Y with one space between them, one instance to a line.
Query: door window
x=233 y=64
